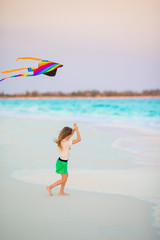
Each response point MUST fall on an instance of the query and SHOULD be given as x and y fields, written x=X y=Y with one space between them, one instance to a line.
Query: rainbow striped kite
x=45 y=67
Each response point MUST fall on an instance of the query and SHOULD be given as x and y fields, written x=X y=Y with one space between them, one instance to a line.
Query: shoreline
x=98 y=126
x=47 y=98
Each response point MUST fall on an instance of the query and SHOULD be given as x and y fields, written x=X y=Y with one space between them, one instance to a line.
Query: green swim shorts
x=61 y=167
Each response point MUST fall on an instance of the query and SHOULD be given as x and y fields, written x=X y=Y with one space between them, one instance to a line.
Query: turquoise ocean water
x=128 y=112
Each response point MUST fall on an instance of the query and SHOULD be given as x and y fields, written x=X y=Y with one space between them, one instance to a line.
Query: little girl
x=64 y=145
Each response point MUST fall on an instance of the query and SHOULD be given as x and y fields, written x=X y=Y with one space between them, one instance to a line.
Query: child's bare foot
x=63 y=193
x=49 y=190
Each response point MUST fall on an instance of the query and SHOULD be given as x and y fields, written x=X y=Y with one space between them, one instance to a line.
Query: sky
x=103 y=45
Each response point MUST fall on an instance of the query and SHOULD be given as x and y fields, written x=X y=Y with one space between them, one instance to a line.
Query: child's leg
x=61 y=192
x=64 y=179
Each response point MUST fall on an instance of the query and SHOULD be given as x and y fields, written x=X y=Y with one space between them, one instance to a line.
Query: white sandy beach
x=113 y=182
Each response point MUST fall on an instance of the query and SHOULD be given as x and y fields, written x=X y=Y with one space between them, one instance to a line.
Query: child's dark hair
x=66 y=131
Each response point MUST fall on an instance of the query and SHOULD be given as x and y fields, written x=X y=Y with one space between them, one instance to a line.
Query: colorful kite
x=45 y=67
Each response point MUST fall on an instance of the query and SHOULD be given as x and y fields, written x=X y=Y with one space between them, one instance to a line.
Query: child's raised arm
x=78 y=134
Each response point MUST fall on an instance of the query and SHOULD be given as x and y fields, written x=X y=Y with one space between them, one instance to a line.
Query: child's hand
x=75 y=126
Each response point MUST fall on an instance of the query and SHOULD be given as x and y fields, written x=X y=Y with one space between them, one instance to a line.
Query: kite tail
x=18 y=75
x=32 y=58
x=31 y=69
x=14 y=70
